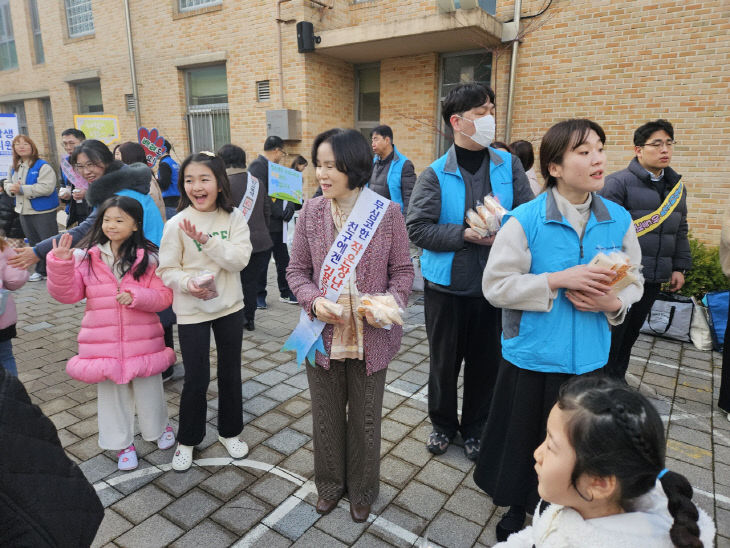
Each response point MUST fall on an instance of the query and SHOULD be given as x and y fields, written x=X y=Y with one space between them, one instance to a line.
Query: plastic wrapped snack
x=474 y=220
x=331 y=307
x=384 y=308
x=487 y=219
x=206 y=280
x=619 y=262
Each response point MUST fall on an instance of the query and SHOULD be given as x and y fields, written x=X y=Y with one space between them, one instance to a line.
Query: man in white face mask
x=461 y=325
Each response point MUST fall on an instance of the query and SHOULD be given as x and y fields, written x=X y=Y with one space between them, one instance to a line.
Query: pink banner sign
x=73 y=176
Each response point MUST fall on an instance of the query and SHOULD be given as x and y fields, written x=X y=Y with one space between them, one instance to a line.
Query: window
x=35 y=23
x=18 y=109
x=79 y=18
x=51 y=131
x=188 y=5
x=455 y=69
x=8 y=55
x=88 y=96
x=367 y=89
x=207 y=96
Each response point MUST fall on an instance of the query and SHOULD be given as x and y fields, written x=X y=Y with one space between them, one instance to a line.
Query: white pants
x=117 y=403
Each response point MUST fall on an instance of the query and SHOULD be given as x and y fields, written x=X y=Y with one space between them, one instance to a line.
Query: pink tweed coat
x=116 y=342
x=384 y=268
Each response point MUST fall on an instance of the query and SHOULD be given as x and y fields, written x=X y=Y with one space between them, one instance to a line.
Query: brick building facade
x=209 y=70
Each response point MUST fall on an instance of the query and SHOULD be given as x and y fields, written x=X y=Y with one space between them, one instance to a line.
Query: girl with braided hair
x=601 y=467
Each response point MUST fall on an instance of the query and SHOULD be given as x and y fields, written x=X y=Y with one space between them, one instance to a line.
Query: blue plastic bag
x=717 y=304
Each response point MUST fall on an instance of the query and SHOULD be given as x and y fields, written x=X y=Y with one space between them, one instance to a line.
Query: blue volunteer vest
x=41 y=203
x=152 y=220
x=563 y=340
x=394 y=175
x=436 y=265
x=171 y=190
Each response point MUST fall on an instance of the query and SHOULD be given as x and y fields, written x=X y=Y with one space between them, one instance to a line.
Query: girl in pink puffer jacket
x=121 y=344
x=11 y=278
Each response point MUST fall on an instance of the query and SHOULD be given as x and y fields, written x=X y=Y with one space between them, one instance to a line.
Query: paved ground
x=267 y=499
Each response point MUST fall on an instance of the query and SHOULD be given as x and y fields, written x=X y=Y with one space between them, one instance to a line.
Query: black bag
x=670 y=317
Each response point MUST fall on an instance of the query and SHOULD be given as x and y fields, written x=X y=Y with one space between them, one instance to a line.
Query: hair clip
x=661 y=474
x=207 y=153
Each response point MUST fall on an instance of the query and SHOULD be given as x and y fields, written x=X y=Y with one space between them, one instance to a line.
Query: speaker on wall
x=305 y=37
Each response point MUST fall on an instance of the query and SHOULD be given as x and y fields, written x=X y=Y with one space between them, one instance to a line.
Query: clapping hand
x=189 y=228
x=62 y=247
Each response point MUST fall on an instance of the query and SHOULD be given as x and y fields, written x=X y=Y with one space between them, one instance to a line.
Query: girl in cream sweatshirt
x=208 y=236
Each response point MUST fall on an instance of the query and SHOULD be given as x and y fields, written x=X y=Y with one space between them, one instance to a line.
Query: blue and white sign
x=285 y=183
x=8 y=131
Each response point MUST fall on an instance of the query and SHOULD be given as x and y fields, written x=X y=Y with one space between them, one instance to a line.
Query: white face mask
x=485 y=130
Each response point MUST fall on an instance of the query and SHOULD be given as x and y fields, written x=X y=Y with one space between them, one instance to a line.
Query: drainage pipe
x=512 y=71
x=132 y=67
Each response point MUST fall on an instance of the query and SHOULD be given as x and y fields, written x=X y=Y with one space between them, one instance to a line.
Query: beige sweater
x=725 y=242
x=225 y=254
x=45 y=186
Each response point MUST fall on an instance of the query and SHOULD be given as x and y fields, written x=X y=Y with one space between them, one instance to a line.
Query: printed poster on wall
x=103 y=127
x=285 y=183
x=153 y=144
x=8 y=131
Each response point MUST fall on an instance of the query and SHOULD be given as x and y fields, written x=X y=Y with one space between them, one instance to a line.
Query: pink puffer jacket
x=11 y=279
x=116 y=342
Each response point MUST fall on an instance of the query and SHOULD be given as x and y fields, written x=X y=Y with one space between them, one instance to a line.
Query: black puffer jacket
x=9 y=219
x=45 y=500
x=666 y=248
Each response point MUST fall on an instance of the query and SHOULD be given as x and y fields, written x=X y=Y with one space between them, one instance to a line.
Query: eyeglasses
x=659 y=144
x=82 y=167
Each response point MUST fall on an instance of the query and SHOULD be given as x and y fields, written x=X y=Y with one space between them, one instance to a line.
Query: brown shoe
x=325 y=506
x=359 y=512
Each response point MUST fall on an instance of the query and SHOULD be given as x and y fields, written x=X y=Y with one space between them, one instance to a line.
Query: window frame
x=361 y=125
x=36 y=34
x=82 y=84
x=67 y=10
x=7 y=37
x=202 y=5
x=212 y=114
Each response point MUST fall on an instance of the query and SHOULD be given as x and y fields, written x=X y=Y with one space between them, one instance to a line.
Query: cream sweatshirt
x=225 y=254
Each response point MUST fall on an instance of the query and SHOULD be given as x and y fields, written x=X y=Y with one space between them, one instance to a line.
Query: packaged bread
x=475 y=221
x=384 y=308
x=206 y=280
x=329 y=306
x=619 y=262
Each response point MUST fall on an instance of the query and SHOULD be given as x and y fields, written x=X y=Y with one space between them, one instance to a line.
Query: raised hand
x=23 y=258
x=62 y=247
x=189 y=228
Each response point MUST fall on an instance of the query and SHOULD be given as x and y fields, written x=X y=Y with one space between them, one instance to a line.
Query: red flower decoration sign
x=153 y=144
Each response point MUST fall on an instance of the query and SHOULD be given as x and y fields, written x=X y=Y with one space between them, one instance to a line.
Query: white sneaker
x=236 y=448
x=35 y=277
x=167 y=439
x=728 y=416
x=183 y=458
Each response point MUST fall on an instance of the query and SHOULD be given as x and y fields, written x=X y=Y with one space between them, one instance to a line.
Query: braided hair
x=616 y=431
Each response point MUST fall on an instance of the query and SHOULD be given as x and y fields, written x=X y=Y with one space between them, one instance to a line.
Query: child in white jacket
x=601 y=467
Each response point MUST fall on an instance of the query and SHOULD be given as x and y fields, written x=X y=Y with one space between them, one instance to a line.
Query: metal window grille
x=187 y=5
x=35 y=22
x=130 y=102
x=263 y=90
x=209 y=127
x=8 y=55
x=79 y=18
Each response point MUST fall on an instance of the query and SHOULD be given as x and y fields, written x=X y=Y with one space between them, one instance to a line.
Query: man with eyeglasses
x=281 y=213
x=76 y=207
x=657 y=199
x=393 y=174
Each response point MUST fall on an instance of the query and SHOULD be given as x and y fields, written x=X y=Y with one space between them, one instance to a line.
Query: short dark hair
x=383 y=131
x=132 y=153
x=616 y=431
x=524 y=151
x=353 y=155
x=501 y=146
x=77 y=133
x=465 y=97
x=299 y=161
x=642 y=134
x=562 y=137
x=232 y=156
x=95 y=151
x=273 y=142
x=168 y=146
x=216 y=165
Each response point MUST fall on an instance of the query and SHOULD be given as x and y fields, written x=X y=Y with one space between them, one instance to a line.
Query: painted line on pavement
x=306 y=487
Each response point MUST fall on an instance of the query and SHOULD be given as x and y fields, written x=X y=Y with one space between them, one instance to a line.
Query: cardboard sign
x=104 y=128
x=285 y=183
x=8 y=131
x=153 y=144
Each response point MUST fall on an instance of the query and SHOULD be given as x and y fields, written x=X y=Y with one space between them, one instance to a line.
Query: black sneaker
x=437 y=443
x=291 y=299
x=471 y=449
x=511 y=522
x=261 y=303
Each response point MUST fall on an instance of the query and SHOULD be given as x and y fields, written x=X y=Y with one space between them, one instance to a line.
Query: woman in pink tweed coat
x=347 y=384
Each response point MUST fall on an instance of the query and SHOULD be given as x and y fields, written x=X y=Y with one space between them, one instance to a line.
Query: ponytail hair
x=616 y=431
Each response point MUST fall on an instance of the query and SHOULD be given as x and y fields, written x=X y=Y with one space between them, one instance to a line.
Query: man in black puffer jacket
x=652 y=192
x=45 y=500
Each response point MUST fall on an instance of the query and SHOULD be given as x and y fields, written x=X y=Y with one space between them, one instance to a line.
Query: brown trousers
x=346 y=413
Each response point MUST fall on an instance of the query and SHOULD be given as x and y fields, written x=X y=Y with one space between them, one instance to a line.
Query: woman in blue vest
x=557 y=309
x=33 y=184
x=167 y=175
